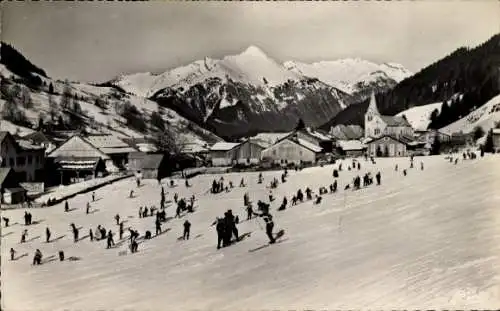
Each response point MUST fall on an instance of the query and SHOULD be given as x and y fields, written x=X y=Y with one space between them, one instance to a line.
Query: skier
x=110 y=240
x=88 y=207
x=359 y=166
x=26 y=218
x=75 y=232
x=133 y=246
x=66 y=206
x=269 y=227
x=131 y=195
x=140 y=212
x=220 y=232
x=158 y=226
x=138 y=182
x=187 y=183
x=176 y=197
x=117 y=218
x=47 y=235
x=378 y=177
x=404 y=172
x=242 y=183
x=91 y=235
x=187 y=228
x=249 y=211
x=283 y=204
x=145 y=212
x=271 y=198
x=121 y=230
x=37 y=259
x=93 y=196
x=6 y=220
x=24 y=235
x=396 y=168
x=335 y=186
x=422 y=166
x=12 y=253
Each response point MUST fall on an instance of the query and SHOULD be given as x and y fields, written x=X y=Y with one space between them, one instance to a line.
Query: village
x=33 y=166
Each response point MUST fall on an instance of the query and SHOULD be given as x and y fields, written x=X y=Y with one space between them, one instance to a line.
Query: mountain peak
x=254 y=51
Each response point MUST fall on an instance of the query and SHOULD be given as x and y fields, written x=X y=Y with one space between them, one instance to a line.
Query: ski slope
x=427 y=240
x=420 y=116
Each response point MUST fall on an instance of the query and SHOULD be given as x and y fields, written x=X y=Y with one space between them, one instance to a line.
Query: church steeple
x=373 y=105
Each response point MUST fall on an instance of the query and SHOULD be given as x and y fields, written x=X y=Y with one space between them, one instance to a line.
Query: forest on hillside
x=473 y=73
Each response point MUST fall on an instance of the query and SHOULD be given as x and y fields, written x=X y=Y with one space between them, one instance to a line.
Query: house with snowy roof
x=378 y=125
x=292 y=149
x=77 y=160
x=112 y=146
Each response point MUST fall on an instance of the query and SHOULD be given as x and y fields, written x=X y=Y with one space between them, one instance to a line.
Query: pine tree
x=478 y=133
x=300 y=125
x=488 y=144
x=51 y=88
x=66 y=96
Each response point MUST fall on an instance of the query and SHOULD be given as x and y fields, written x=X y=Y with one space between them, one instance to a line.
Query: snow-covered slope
x=352 y=75
x=485 y=116
x=428 y=240
x=419 y=117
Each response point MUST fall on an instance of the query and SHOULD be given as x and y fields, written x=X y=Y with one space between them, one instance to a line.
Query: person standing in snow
x=88 y=208
x=47 y=235
x=117 y=218
x=12 y=253
x=93 y=196
x=158 y=226
x=378 y=177
x=140 y=212
x=220 y=227
x=421 y=166
x=66 y=206
x=249 y=211
x=121 y=230
x=37 y=259
x=6 y=220
x=187 y=229
x=24 y=235
x=110 y=241
x=91 y=235
x=268 y=218
x=75 y=232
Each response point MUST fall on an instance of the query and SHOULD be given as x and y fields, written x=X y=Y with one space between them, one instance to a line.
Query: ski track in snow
x=427 y=240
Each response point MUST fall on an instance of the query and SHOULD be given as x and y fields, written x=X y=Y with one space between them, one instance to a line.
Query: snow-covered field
x=427 y=240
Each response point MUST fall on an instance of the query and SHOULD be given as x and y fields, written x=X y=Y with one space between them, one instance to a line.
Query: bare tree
x=168 y=141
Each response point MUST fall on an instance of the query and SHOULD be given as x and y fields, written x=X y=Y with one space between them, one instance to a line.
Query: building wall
x=374 y=125
x=394 y=148
x=149 y=173
x=248 y=153
x=399 y=130
x=289 y=152
x=28 y=164
x=223 y=158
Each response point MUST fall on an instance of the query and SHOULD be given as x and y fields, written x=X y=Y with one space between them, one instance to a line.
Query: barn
x=248 y=152
x=223 y=153
x=292 y=150
x=116 y=149
x=10 y=190
x=148 y=165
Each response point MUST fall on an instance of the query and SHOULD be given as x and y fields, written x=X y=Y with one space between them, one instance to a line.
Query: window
x=30 y=159
x=370 y=117
x=377 y=131
x=21 y=161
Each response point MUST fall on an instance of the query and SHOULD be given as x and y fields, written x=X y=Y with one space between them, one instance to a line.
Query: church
x=387 y=135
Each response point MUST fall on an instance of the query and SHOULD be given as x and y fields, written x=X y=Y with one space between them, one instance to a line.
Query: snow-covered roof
x=351 y=145
x=308 y=145
x=223 y=146
x=496 y=131
x=395 y=121
x=318 y=135
x=109 y=144
x=193 y=148
x=77 y=147
x=269 y=138
x=347 y=132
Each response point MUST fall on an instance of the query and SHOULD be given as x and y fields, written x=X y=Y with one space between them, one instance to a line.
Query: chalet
x=377 y=125
x=148 y=166
x=391 y=146
x=248 y=152
x=496 y=140
x=291 y=150
x=351 y=148
x=76 y=160
x=27 y=160
x=117 y=150
x=10 y=190
x=40 y=139
x=317 y=138
x=223 y=153
x=429 y=136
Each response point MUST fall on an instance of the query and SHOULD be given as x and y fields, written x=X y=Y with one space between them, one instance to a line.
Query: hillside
x=420 y=117
x=429 y=240
x=472 y=72
x=58 y=105
x=243 y=94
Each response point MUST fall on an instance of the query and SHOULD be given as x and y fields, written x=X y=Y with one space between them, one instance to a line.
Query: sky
x=97 y=41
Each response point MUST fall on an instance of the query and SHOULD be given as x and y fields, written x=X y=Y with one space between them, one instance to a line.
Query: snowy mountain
x=240 y=94
x=32 y=99
x=353 y=76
